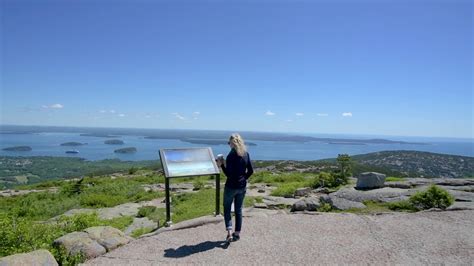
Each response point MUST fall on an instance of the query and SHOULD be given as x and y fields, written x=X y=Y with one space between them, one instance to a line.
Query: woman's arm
x=249 y=167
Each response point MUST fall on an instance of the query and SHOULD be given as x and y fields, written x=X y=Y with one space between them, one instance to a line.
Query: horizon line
x=250 y=131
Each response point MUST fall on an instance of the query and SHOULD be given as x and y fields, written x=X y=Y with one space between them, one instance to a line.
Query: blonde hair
x=238 y=144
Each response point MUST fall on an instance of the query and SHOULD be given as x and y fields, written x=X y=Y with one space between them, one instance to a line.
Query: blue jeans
x=237 y=195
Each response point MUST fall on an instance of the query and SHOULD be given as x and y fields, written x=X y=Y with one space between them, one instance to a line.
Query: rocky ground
x=274 y=237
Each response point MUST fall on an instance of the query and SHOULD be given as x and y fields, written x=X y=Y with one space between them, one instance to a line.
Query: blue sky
x=348 y=67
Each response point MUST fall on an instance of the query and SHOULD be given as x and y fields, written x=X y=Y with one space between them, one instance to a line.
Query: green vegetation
x=371 y=207
x=126 y=150
x=393 y=178
x=198 y=184
x=132 y=170
x=410 y=162
x=72 y=143
x=403 y=205
x=146 y=211
x=287 y=183
x=94 y=193
x=18 y=234
x=191 y=205
x=41 y=168
x=433 y=197
x=345 y=163
x=325 y=207
x=18 y=148
x=141 y=231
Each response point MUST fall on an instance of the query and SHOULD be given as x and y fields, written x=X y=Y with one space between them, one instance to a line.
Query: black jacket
x=237 y=169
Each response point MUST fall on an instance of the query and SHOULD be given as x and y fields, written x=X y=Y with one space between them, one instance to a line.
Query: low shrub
x=433 y=197
x=145 y=211
x=132 y=170
x=404 y=205
x=325 y=207
x=198 y=184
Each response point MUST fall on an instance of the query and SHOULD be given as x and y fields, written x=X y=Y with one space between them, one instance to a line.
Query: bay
x=48 y=144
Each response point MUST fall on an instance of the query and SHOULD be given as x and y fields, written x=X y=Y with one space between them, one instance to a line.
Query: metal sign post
x=188 y=162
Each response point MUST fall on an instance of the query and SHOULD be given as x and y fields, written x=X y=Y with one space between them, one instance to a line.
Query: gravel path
x=329 y=238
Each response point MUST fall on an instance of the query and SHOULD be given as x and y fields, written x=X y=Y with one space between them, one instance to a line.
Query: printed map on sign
x=188 y=162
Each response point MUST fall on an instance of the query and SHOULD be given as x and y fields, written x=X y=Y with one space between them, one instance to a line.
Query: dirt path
x=329 y=238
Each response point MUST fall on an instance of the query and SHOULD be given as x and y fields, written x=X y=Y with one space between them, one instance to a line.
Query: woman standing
x=237 y=168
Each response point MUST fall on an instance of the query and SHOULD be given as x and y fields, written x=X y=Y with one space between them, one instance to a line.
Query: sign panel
x=188 y=162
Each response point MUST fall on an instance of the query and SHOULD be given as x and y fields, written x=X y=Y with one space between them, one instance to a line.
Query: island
x=126 y=150
x=114 y=142
x=212 y=142
x=98 y=135
x=18 y=148
x=72 y=143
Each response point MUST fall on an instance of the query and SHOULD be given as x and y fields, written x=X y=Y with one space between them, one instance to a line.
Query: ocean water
x=48 y=144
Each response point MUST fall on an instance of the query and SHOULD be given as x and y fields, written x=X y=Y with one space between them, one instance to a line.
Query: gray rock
x=321 y=190
x=127 y=209
x=454 y=182
x=340 y=203
x=461 y=195
x=385 y=194
x=302 y=192
x=370 y=180
x=312 y=204
x=140 y=223
x=260 y=206
x=80 y=242
x=299 y=206
x=403 y=185
x=38 y=257
x=278 y=202
x=460 y=188
x=459 y=205
x=108 y=237
x=306 y=204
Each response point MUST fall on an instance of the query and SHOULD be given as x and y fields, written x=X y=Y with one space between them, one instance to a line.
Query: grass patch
x=249 y=201
x=141 y=231
x=93 y=193
x=394 y=178
x=372 y=207
x=403 y=205
x=287 y=189
x=192 y=205
x=271 y=178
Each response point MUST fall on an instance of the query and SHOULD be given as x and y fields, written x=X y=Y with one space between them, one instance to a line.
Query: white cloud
x=112 y=111
x=299 y=114
x=348 y=114
x=147 y=116
x=121 y=115
x=102 y=111
x=289 y=120
x=196 y=113
x=56 y=106
x=322 y=114
x=178 y=116
x=53 y=106
x=269 y=113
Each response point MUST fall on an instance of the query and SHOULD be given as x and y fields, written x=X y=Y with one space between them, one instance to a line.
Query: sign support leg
x=218 y=194
x=168 y=206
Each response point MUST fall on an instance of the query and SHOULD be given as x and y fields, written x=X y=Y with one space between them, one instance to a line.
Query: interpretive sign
x=188 y=162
